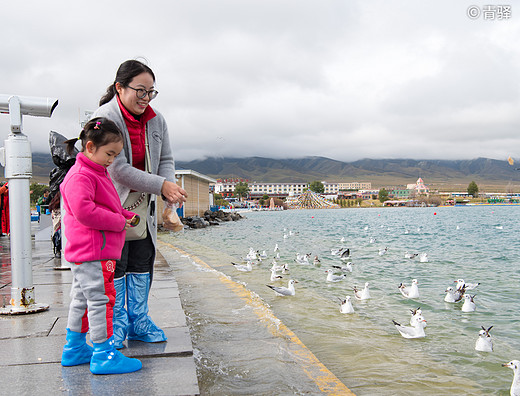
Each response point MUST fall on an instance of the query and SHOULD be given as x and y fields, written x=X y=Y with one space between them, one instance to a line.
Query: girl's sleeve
x=80 y=191
x=128 y=214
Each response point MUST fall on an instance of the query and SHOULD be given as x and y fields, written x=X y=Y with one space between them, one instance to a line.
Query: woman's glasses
x=141 y=93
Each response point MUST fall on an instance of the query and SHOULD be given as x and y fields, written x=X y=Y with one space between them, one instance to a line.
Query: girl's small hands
x=128 y=224
x=134 y=221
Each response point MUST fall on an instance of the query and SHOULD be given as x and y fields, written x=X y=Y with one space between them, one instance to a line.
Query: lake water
x=364 y=350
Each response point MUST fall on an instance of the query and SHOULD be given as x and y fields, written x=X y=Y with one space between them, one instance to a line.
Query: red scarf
x=136 y=130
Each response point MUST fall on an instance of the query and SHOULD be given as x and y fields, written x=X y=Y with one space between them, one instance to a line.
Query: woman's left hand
x=173 y=193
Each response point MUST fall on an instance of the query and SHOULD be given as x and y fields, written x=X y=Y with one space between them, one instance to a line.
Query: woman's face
x=128 y=96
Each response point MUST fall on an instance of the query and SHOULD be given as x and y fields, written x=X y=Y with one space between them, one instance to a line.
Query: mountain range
x=443 y=174
x=453 y=174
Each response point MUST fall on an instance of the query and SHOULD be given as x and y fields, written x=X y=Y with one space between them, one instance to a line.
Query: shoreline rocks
x=210 y=219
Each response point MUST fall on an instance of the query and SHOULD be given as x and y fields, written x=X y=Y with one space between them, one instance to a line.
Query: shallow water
x=364 y=350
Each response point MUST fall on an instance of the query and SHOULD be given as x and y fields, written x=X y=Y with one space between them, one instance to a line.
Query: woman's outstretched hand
x=173 y=193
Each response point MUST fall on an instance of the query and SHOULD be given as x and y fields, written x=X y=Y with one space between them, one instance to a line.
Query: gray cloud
x=284 y=78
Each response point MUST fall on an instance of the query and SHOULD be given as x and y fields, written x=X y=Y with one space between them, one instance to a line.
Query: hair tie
x=98 y=123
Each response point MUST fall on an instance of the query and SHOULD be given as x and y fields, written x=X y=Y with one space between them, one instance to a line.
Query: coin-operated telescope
x=16 y=157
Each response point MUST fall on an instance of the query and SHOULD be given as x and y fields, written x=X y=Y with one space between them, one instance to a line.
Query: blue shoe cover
x=106 y=359
x=120 y=318
x=76 y=351
x=142 y=327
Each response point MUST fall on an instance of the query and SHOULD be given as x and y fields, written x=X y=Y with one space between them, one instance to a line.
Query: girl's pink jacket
x=94 y=218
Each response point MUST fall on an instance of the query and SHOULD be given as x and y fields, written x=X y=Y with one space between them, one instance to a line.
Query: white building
x=355 y=186
x=226 y=188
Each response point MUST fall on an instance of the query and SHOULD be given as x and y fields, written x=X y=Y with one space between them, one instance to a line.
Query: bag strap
x=147 y=160
x=147 y=168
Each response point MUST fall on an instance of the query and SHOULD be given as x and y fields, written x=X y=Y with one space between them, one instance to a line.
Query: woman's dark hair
x=100 y=131
x=125 y=74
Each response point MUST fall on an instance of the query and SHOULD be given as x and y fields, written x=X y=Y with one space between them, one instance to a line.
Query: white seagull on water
x=410 y=291
x=515 y=386
x=484 y=342
x=452 y=295
x=410 y=255
x=346 y=306
x=346 y=268
x=416 y=331
x=384 y=251
x=334 y=278
x=416 y=316
x=363 y=294
x=469 y=304
x=467 y=286
x=244 y=268
x=285 y=291
x=274 y=276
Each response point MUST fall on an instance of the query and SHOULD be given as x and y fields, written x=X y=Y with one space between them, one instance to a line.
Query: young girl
x=95 y=225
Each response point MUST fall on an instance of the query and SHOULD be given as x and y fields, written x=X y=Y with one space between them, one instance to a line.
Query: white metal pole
x=18 y=171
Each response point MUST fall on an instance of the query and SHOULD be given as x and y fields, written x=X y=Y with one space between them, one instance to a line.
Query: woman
x=127 y=103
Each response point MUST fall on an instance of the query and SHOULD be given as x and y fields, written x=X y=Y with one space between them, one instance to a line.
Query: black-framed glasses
x=141 y=92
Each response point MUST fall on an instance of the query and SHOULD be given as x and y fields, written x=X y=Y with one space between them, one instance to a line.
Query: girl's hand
x=173 y=193
x=128 y=224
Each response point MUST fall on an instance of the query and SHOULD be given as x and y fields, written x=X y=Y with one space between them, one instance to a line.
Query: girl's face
x=103 y=155
x=128 y=96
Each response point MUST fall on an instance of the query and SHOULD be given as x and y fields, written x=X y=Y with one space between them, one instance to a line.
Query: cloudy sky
x=344 y=79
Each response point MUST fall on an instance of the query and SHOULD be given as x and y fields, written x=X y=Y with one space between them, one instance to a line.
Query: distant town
x=241 y=193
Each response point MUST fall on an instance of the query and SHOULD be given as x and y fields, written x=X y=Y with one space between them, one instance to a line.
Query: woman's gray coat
x=125 y=176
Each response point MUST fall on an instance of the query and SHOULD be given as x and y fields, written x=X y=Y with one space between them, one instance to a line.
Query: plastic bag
x=171 y=220
x=61 y=159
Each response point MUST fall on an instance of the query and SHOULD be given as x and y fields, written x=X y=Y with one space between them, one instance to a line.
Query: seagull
x=410 y=255
x=469 y=304
x=362 y=294
x=410 y=291
x=277 y=267
x=342 y=239
x=423 y=257
x=345 y=254
x=316 y=261
x=467 y=286
x=372 y=240
x=263 y=255
x=346 y=306
x=252 y=255
x=416 y=331
x=452 y=295
x=416 y=316
x=484 y=342
x=285 y=268
x=244 y=268
x=285 y=291
x=346 y=268
x=274 y=276
x=276 y=248
x=302 y=258
x=382 y=252
x=334 y=278
x=515 y=386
